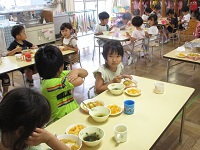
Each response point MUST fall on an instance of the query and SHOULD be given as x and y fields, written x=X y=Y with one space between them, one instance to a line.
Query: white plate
x=76 y=129
x=119 y=112
x=83 y=107
x=136 y=94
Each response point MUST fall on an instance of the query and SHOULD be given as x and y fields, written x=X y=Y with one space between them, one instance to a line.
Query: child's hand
x=127 y=76
x=128 y=35
x=38 y=136
x=18 y=49
x=117 y=79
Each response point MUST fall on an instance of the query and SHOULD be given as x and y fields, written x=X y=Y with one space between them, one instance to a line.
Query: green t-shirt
x=58 y=93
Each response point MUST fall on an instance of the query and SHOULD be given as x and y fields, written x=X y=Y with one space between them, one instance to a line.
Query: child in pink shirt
x=197 y=32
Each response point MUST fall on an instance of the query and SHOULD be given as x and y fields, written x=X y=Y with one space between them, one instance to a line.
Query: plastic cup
x=129 y=107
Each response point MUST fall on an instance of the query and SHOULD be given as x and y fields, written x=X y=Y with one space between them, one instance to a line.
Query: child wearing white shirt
x=146 y=14
x=137 y=34
x=153 y=30
x=183 y=22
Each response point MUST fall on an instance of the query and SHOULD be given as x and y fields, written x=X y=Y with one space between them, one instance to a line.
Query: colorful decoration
x=193 y=5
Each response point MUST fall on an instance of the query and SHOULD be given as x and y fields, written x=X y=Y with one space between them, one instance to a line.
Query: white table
x=10 y=63
x=153 y=115
x=173 y=56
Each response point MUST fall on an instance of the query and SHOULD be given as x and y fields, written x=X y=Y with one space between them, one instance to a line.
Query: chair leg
x=12 y=80
x=99 y=55
x=24 y=80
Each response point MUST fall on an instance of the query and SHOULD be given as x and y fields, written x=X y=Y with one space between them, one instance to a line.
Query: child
x=136 y=35
x=197 y=32
x=5 y=83
x=19 y=44
x=183 y=22
x=125 y=21
x=68 y=41
x=136 y=7
x=172 y=22
x=153 y=30
x=146 y=14
x=156 y=10
x=57 y=84
x=111 y=71
x=23 y=114
x=103 y=26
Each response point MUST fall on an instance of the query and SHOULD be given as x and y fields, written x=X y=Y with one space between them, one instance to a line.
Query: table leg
x=99 y=55
x=168 y=66
x=70 y=61
x=182 y=124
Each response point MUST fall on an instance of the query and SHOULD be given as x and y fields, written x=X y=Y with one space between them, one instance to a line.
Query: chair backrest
x=138 y=44
x=191 y=27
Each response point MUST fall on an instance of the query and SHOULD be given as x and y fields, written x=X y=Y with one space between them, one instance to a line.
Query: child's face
x=151 y=22
x=185 y=13
x=156 y=11
x=125 y=21
x=66 y=33
x=113 y=60
x=104 y=21
x=146 y=13
x=22 y=36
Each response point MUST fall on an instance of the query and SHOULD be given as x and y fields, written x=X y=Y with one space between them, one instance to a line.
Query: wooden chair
x=190 y=30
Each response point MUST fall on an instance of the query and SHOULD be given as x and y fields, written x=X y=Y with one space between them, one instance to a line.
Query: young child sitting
x=125 y=21
x=5 y=83
x=183 y=21
x=172 y=22
x=156 y=10
x=56 y=83
x=19 y=44
x=111 y=71
x=153 y=30
x=23 y=114
x=68 y=41
x=146 y=14
x=137 y=34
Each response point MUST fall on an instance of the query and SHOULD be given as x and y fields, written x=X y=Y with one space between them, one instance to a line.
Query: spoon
x=86 y=106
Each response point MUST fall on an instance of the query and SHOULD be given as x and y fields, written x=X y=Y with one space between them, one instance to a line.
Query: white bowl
x=73 y=140
x=100 y=113
x=116 y=88
x=91 y=130
x=90 y=102
x=105 y=32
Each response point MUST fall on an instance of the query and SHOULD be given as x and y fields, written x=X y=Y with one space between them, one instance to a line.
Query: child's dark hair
x=16 y=30
x=103 y=15
x=185 y=8
x=137 y=21
x=112 y=47
x=48 y=61
x=22 y=110
x=148 y=10
x=157 y=7
x=153 y=17
x=171 y=11
x=66 y=25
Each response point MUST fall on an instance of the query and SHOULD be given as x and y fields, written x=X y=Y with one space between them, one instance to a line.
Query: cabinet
x=41 y=34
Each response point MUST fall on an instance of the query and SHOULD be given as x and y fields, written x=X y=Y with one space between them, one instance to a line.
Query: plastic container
x=28 y=57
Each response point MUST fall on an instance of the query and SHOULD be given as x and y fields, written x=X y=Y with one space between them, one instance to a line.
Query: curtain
x=69 y=5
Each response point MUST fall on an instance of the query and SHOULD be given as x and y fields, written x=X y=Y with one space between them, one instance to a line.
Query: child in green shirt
x=57 y=84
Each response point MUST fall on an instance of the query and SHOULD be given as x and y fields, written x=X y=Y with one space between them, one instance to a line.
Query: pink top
x=136 y=4
x=197 y=33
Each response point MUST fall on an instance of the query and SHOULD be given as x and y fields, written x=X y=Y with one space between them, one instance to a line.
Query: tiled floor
x=182 y=74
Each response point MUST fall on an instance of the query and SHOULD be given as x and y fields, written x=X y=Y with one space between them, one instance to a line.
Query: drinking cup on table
x=18 y=57
x=28 y=57
x=129 y=107
x=159 y=87
x=120 y=132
